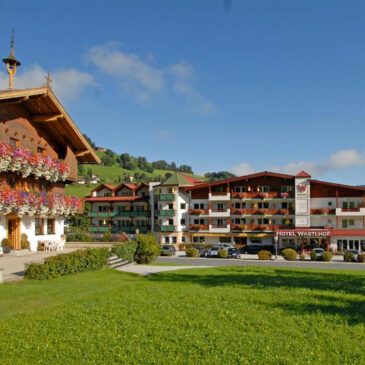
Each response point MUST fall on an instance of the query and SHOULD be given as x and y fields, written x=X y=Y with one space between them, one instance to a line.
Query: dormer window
x=14 y=142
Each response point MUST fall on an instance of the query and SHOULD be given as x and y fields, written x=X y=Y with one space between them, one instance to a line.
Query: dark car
x=167 y=250
x=255 y=249
x=234 y=253
x=202 y=251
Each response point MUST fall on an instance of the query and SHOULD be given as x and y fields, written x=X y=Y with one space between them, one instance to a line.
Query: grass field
x=230 y=315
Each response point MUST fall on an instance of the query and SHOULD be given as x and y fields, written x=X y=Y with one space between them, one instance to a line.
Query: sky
x=237 y=85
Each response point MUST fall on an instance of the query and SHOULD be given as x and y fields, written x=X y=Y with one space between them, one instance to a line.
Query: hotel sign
x=304 y=233
x=302 y=189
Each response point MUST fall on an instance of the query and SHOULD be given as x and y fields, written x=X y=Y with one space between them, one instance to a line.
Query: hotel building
x=260 y=208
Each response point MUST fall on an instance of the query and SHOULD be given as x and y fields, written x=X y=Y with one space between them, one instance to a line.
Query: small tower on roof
x=11 y=63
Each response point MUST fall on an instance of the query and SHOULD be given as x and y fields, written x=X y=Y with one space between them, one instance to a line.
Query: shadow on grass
x=330 y=283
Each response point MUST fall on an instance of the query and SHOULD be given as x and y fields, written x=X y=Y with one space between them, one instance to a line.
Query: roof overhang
x=46 y=110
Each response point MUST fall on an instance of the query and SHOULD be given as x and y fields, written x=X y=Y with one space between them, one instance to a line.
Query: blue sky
x=276 y=85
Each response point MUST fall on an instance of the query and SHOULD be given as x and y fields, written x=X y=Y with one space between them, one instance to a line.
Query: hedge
x=349 y=257
x=289 y=254
x=125 y=251
x=192 y=252
x=264 y=255
x=223 y=254
x=326 y=256
x=68 y=263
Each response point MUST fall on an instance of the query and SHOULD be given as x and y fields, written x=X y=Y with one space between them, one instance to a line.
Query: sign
x=302 y=189
x=304 y=233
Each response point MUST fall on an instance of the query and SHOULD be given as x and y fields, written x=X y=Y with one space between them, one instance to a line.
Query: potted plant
x=7 y=245
x=24 y=243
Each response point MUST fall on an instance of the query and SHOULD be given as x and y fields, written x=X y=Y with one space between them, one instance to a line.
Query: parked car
x=233 y=253
x=319 y=252
x=355 y=253
x=167 y=250
x=254 y=249
x=225 y=246
x=213 y=251
x=202 y=251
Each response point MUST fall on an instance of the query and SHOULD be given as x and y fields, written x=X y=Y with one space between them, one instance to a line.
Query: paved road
x=333 y=265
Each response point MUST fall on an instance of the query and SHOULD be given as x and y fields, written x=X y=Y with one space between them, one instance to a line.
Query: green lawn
x=230 y=315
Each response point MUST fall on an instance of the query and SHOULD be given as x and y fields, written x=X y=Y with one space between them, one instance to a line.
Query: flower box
x=23 y=161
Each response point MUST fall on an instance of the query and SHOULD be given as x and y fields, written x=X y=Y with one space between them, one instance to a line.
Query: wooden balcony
x=258 y=227
x=323 y=211
x=256 y=211
x=198 y=212
x=261 y=195
x=198 y=227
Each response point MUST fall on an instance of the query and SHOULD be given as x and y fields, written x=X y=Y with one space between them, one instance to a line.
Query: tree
x=81 y=170
x=186 y=168
x=220 y=175
x=91 y=143
x=161 y=165
x=148 y=249
x=89 y=174
x=107 y=160
x=142 y=163
x=173 y=166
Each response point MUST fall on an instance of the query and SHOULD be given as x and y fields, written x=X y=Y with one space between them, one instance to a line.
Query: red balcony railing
x=323 y=211
x=262 y=195
x=256 y=211
x=198 y=227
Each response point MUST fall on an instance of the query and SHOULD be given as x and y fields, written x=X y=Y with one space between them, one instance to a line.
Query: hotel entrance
x=13 y=231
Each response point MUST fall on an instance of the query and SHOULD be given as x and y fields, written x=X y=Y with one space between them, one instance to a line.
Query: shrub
x=125 y=250
x=223 y=254
x=68 y=263
x=349 y=257
x=314 y=256
x=326 y=256
x=192 y=252
x=165 y=253
x=24 y=243
x=289 y=254
x=79 y=237
x=361 y=258
x=107 y=237
x=148 y=249
x=264 y=255
x=6 y=243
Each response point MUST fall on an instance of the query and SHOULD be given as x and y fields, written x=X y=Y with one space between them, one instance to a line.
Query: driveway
x=253 y=261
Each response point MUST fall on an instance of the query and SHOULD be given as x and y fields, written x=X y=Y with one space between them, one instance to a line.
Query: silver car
x=213 y=251
x=355 y=253
x=225 y=246
x=319 y=252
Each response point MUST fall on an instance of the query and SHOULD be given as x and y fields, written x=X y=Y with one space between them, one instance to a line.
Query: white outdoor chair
x=47 y=246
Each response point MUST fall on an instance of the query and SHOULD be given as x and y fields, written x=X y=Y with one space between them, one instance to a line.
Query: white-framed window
x=174 y=239
x=167 y=239
x=286 y=188
x=264 y=189
x=240 y=189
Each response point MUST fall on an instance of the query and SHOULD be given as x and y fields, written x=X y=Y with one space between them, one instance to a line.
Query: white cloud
x=66 y=84
x=141 y=78
x=337 y=161
x=242 y=169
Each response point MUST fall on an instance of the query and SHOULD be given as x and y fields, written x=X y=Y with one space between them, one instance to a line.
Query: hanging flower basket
x=24 y=162
x=284 y=195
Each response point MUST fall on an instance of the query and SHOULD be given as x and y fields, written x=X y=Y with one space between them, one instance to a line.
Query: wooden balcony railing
x=261 y=195
x=198 y=211
x=323 y=211
x=259 y=227
x=255 y=211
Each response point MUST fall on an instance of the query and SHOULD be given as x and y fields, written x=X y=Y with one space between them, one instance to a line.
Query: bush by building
x=147 y=250
x=107 y=237
x=264 y=255
x=326 y=256
x=361 y=258
x=302 y=257
x=125 y=250
x=192 y=252
x=349 y=257
x=289 y=254
x=223 y=254
x=68 y=263
x=314 y=256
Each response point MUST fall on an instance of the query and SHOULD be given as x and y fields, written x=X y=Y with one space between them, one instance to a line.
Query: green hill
x=114 y=175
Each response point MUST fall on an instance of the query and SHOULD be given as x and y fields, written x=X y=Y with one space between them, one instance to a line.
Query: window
x=264 y=189
x=167 y=239
x=199 y=239
x=344 y=223
x=171 y=222
x=351 y=222
x=12 y=182
x=174 y=240
x=183 y=239
x=182 y=222
x=239 y=189
x=183 y=206
x=284 y=205
x=237 y=205
x=41 y=151
x=14 y=142
x=171 y=206
x=39 y=226
x=329 y=204
x=51 y=226
x=286 y=188
x=196 y=206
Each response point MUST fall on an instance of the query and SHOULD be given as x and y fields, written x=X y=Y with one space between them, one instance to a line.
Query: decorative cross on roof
x=48 y=80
